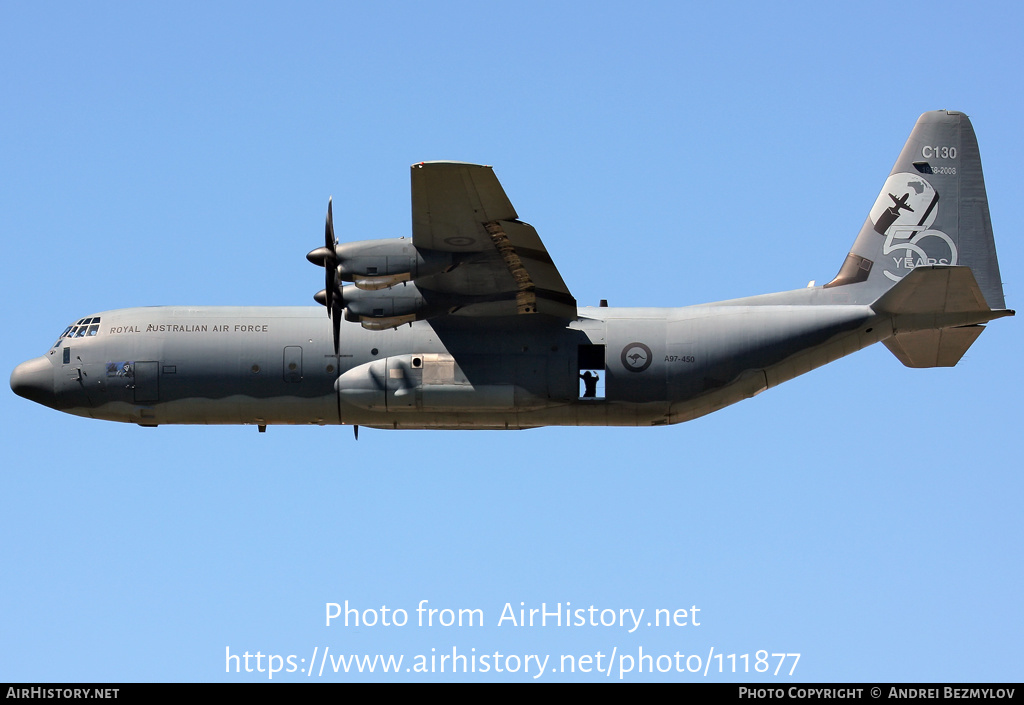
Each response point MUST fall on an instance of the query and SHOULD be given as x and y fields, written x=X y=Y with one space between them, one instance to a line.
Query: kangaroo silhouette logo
x=636 y=357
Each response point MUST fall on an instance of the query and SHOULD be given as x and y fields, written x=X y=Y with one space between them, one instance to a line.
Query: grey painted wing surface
x=501 y=267
x=450 y=201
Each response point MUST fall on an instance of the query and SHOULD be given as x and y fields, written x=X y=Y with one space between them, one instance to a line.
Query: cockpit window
x=83 y=328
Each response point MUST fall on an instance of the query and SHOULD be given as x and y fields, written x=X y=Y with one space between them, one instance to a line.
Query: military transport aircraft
x=468 y=324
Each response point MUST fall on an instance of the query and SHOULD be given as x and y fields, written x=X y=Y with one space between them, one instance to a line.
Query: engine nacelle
x=379 y=309
x=379 y=264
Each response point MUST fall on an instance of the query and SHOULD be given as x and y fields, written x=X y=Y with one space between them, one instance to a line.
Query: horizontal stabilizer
x=933 y=348
x=936 y=313
x=934 y=289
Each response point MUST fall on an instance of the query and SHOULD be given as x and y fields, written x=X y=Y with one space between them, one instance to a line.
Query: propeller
x=331 y=296
x=327 y=257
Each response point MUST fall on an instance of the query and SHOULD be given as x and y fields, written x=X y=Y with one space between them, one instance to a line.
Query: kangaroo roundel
x=636 y=357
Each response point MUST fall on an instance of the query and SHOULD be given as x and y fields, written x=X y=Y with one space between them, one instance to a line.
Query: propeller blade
x=336 y=325
x=329 y=240
x=330 y=260
x=332 y=292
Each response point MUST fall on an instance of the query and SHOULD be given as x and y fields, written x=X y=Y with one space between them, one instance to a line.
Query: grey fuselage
x=275 y=365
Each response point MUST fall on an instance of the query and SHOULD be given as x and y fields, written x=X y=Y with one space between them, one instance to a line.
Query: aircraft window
x=86 y=327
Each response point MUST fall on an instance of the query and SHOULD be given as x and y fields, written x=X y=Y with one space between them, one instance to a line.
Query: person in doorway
x=589 y=384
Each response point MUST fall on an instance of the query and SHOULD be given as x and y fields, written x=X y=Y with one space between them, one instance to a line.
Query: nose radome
x=34 y=380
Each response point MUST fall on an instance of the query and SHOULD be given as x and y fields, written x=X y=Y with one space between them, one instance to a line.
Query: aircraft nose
x=34 y=380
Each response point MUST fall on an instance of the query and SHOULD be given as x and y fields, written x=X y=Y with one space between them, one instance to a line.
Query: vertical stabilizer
x=932 y=210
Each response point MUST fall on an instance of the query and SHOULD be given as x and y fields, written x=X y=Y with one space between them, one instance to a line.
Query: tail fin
x=932 y=210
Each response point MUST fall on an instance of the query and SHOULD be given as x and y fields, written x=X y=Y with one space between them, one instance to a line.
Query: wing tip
x=448 y=163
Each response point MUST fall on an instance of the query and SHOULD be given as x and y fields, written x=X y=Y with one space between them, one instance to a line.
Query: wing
x=499 y=264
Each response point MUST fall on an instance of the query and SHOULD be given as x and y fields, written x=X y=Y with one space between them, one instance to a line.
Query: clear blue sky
x=866 y=516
